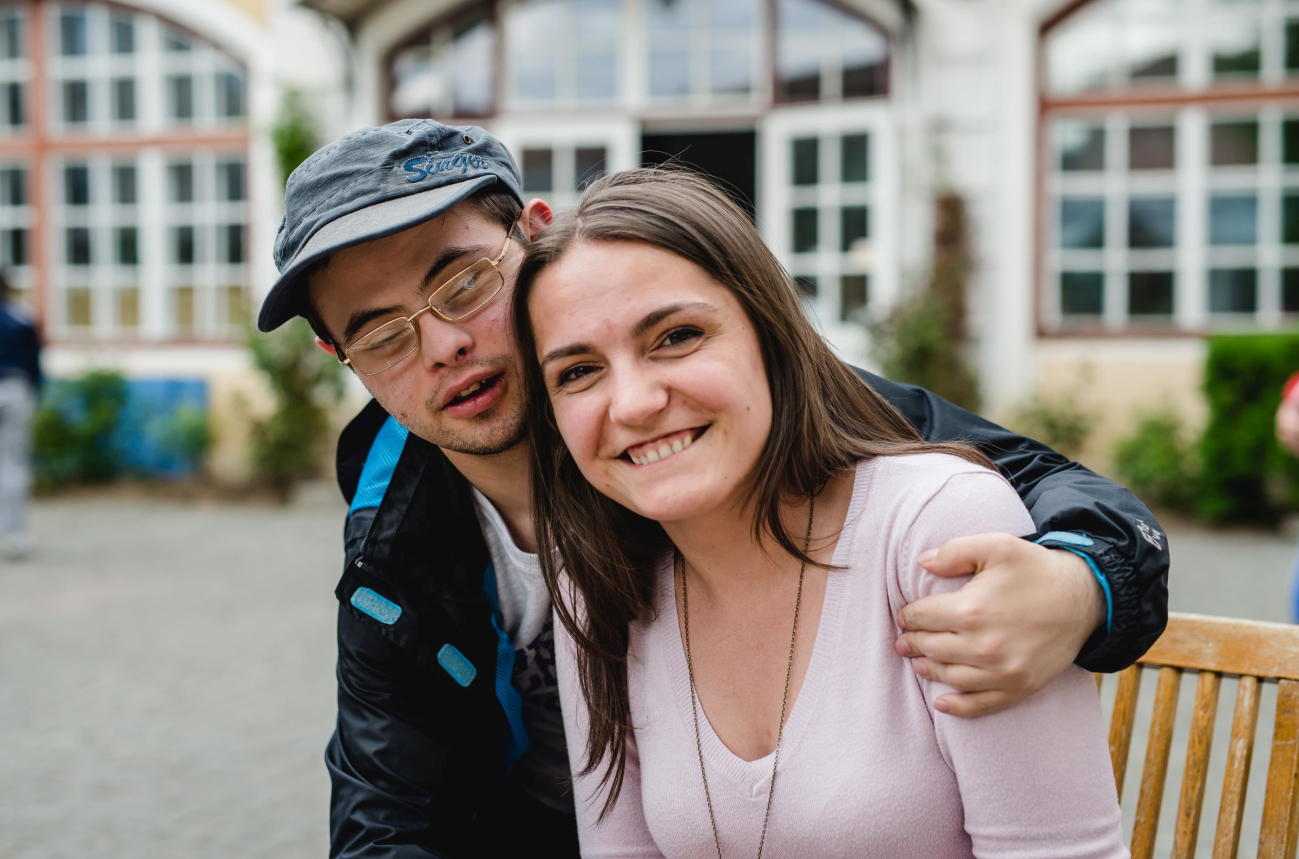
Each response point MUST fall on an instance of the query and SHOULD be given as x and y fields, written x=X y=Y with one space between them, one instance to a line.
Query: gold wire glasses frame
x=395 y=340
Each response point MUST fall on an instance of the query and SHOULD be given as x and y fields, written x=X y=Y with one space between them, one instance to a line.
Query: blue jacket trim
x=1067 y=541
x=506 y=693
x=380 y=608
x=457 y=664
x=380 y=463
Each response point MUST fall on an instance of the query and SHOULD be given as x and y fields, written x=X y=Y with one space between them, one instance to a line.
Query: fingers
x=939 y=646
x=968 y=705
x=962 y=678
x=965 y=555
x=945 y=612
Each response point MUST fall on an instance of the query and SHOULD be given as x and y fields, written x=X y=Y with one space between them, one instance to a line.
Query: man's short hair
x=495 y=203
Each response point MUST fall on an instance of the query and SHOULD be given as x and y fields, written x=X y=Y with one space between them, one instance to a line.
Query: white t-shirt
x=543 y=771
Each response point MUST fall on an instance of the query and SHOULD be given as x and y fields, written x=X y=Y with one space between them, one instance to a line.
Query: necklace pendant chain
x=784 y=701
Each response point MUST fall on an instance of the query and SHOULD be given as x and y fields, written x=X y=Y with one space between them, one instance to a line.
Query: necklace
x=784 y=701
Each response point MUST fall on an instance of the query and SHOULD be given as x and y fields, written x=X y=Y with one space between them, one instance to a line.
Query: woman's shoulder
x=921 y=474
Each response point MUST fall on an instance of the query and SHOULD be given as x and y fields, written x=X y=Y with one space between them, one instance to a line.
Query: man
x=20 y=381
x=448 y=740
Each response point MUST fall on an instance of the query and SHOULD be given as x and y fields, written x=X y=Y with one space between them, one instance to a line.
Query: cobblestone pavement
x=166 y=675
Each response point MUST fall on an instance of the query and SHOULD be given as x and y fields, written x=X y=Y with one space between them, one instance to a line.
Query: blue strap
x=506 y=693
x=380 y=463
x=1069 y=541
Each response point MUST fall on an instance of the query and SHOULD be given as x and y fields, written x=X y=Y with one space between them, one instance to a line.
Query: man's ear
x=535 y=218
x=328 y=347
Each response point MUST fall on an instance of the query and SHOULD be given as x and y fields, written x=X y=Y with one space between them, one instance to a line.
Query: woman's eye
x=572 y=374
x=678 y=336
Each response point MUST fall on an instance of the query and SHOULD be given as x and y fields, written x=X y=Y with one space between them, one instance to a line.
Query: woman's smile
x=661 y=448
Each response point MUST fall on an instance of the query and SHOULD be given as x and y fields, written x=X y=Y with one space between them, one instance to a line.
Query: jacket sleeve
x=1073 y=509
x=397 y=788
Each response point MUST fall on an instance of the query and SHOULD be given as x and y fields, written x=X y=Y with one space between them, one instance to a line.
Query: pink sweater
x=867 y=767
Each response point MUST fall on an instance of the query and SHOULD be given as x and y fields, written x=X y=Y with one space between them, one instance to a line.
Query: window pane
x=236 y=305
x=77 y=246
x=1152 y=148
x=1150 y=293
x=865 y=59
x=806 y=285
x=854 y=290
x=230 y=180
x=181 y=180
x=798 y=71
x=1082 y=222
x=1082 y=293
x=1080 y=52
x=538 y=170
x=588 y=165
x=174 y=40
x=472 y=52
x=13 y=104
x=806 y=161
x=1292 y=46
x=124 y=184
x=1151 y=222
x=1151 y=47
x=597 y=77
x=78 y=307
x=1290 y=141
x=11 y=34
x=731 y=71
x=124 y=99
x=72 y=33
x=1290 y=290
x=1290 y=219
x=128 y=307
x=854 y=226
x=1233 y=219
x=805 y=230
x=234 y=244
x=1233 y=143
x=1233 y=290
x=230 y=95
x=180 y=97
x=122 y=34
x=76 y=101
x=13 y=247
x=855 y=149
x=183 y=309
x=128 y=245
x=13 y=187
x=182 y=245
x=1236 y=47
x=76 y=185
x=1082 y=147
x=669 y=74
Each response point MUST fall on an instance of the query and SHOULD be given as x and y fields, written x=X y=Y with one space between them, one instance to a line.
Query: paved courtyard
x=166 y=674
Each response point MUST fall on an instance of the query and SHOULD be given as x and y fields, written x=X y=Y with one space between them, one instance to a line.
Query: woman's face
x=655 y=376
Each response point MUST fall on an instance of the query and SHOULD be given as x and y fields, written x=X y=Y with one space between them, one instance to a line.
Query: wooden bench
x=1257 y=653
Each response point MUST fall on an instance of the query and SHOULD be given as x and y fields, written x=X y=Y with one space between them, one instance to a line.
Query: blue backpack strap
x=380 y=463
x=509 y=696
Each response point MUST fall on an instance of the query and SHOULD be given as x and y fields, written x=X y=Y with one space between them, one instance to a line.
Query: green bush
x=287 y=444
x=187 y=435
x=1246 y=475
x=1158 y=462
x=75 y=431
x=292 y=135
x=1058 y=422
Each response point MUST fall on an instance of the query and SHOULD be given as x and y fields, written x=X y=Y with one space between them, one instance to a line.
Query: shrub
x=286 y=445
x=1158 y=462
x=1246 y=475
x=187 y=435
x=1058 y=422
x=75 y=432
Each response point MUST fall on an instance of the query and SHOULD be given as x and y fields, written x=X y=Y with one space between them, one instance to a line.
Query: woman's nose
x=635 y=397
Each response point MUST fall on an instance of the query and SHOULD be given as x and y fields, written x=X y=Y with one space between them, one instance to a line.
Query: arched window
x=139 y=164
x=447 y=70
x=563 y=51
x=825 y=53
x=1171 y=143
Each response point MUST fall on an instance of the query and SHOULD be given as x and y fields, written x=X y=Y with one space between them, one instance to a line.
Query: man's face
x=365 y=286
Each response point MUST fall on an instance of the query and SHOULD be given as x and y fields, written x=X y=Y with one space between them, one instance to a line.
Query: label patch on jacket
x=380 y=608
x=461 y=669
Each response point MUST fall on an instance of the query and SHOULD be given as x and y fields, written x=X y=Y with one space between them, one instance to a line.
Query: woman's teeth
x=663 y=451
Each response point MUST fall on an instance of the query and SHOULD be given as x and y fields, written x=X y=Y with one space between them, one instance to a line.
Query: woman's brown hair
x=825 y=420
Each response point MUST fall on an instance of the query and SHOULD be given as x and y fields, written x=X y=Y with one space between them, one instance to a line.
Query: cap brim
x=287 y=299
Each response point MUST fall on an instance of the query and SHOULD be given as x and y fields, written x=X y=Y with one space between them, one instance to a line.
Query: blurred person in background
x=1287 y=435
x=400 y=245
x=20 y=382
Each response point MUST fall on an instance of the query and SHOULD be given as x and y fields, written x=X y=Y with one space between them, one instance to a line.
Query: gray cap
x=373 y=183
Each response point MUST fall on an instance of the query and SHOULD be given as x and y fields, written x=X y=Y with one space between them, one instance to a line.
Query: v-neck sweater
x=867 y=766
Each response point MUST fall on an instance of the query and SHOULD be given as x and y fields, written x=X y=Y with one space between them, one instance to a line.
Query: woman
x=738 y=519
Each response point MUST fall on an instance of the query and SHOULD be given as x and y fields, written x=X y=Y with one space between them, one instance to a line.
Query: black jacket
x=428 y=723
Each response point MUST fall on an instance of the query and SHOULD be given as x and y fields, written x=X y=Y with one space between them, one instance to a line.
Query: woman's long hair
x=825 y=420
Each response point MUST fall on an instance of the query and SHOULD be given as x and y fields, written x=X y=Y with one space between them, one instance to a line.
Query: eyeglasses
x=395 y=340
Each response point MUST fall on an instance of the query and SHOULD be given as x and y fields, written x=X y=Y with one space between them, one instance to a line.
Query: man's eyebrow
x=361 y=318
x=647 y=322
x=654 y=317
x=444 y=259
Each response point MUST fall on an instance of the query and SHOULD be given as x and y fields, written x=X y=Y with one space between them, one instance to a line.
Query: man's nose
x=442 y=343
x=636 y=396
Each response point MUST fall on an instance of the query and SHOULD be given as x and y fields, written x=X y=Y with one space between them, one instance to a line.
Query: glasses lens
x=469 y=290
x=383 y=347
